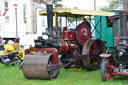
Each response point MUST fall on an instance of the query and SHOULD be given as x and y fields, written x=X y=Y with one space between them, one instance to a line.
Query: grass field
x=12 y=76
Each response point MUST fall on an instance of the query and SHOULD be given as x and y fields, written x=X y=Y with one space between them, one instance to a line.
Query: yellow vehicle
x=8 y=55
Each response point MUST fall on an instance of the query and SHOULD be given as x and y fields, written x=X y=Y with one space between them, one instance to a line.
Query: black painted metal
x=95 y=26
x=66 y=22
x=50 y=21
x=42 y=43
x=123 y=28
x=76 y=20
x=113 y=31
x=100 y=27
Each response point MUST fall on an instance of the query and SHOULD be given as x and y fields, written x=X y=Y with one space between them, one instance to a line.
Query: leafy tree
x=56 y=4
x=124 y=4
x=116 y=4
x=105 y=9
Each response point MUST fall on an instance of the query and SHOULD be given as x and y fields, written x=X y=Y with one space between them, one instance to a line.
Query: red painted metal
x=67 y=46
x=113 y=17
x=105 y=55
x=117 y=16
x=63 y=46
x=117 y=38
x=93 y=54
x=105 y=42
x=120 y=74
x=109 y=74
x=5 y=11
x=64 y=29
x=83 y=34
x=72 y=46
x=110 y=66
x=67 y=35
x=53 y=50
x=75 y=57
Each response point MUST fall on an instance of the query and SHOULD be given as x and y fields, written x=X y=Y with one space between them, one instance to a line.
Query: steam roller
x=75 y=49
x=39 y=66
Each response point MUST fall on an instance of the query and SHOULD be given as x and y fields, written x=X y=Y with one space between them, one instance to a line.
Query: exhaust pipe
x=50 y=21
x=123 y=28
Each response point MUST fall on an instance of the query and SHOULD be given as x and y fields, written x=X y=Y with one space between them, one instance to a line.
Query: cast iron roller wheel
x=40 y=66
x=91 y=51
x=106 y=71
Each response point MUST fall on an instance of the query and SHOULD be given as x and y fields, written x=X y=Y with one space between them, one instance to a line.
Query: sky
x=85 y=4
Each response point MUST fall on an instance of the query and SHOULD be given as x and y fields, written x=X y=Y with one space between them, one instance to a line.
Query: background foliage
x=116 y=5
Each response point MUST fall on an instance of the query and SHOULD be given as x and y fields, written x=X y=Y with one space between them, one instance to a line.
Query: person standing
x=87 y=23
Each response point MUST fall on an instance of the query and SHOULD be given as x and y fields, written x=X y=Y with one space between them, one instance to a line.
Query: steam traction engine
x=76 y=49
x=116 y=62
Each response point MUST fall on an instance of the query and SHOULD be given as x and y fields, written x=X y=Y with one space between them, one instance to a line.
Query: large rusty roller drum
x=37 y=66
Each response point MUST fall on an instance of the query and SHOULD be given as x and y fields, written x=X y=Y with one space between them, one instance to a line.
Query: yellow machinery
x=10 y=55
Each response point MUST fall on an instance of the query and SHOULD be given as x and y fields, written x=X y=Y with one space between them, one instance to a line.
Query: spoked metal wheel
x=91 y=51
x=40 y=66
x=106 y=70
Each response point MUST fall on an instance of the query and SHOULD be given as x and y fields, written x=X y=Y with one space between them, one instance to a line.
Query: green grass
x=12 y=76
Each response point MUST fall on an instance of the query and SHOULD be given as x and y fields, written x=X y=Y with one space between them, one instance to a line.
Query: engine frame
x=115 y=62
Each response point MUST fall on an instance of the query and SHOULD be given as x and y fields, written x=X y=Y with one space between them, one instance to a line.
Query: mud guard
x=105 y=55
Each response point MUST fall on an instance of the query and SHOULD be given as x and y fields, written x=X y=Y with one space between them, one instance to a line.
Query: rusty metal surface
x=34 y=66
x=86 y=53
x=51 y=50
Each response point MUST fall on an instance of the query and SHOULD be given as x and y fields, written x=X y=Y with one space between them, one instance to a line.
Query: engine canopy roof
x=73 y=12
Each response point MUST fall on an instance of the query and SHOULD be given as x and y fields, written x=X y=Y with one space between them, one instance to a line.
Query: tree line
x=116 y=5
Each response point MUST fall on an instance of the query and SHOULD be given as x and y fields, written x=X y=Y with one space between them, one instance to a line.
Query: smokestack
x=50 y=21
x=123 y=28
